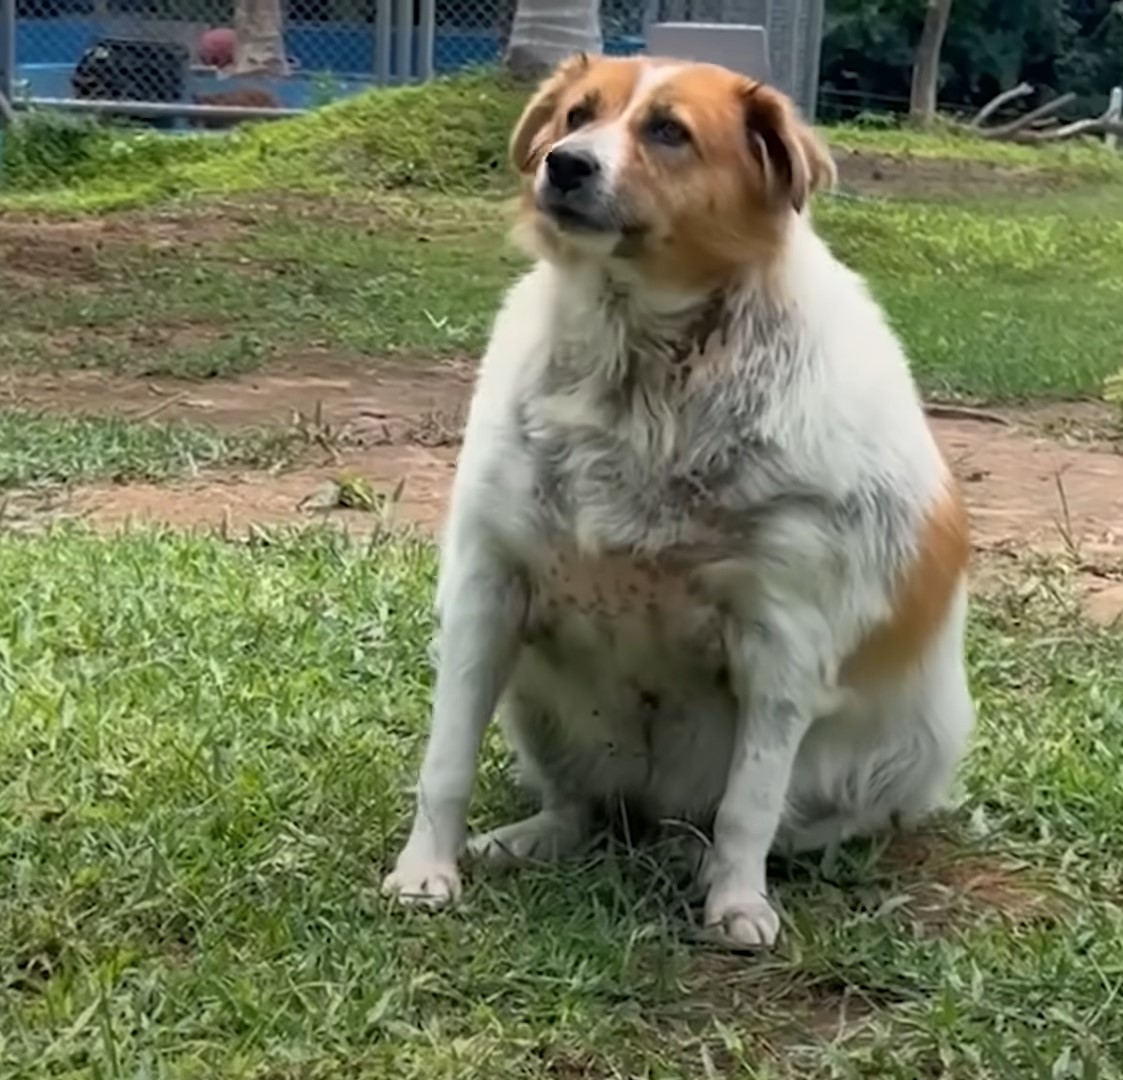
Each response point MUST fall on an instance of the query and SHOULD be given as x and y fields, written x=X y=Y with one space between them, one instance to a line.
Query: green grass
x=42 y=448
x=420 y=275
x=1067 y=164
x=205 y=751
x=996 y=300
x=449 y=135
x=376 y=226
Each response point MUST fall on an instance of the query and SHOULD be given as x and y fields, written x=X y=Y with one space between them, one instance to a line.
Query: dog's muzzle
x=572 y=191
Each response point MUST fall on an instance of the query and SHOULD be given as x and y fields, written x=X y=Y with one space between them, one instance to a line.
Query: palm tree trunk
x=545 y=32
x=261 y=37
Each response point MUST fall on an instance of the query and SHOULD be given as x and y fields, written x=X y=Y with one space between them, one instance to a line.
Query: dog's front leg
x=483 y=607
x=779 y=689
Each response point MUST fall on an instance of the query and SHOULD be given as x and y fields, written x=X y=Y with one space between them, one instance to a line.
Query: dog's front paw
x=741 y=917
x=423 y=883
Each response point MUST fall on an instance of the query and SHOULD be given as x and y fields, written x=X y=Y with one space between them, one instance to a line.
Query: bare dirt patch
x=945 y=887
x=1044 y=479
x=393 y=401
x=38 y=253
x=1030 y=491
x=1029 y=494
x=236 y=502
x=887 y=175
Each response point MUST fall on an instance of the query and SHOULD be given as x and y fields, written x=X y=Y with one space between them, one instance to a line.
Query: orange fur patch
x=611 y=82
x=922 y=597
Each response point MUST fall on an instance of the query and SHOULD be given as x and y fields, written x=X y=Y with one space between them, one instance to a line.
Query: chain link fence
x=176 y=52
x=217 y=59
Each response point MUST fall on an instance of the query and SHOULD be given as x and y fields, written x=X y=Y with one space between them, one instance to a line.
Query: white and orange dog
x=703 y=551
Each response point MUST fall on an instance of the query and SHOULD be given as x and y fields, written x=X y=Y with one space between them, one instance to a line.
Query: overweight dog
x=703 y=553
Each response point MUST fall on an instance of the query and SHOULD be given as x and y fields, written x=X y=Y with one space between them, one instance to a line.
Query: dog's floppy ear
x=541 y=109
x=792 y=159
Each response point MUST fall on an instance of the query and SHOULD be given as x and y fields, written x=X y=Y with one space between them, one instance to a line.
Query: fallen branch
x=991 y=107
x=1006 y=131
x=1096 y=125
x=1042 y=125
x=1067 y=131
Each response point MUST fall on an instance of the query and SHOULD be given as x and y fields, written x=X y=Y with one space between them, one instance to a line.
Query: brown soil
x=1045 y=480
x=1029 y=491
x=44 y=252
x=867 y=173
x=397 y=401
x=945 y=887
x=237 y=501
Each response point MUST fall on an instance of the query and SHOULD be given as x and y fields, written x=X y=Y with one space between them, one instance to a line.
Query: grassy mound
x=449 y=135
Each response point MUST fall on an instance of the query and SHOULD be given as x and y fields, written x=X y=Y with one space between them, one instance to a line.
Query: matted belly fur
x=621 y=690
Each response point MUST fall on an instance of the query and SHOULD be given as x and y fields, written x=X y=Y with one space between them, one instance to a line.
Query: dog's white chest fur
x=623 y=683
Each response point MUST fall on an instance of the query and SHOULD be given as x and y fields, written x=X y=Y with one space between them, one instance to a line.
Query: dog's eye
x=668 y=131
x=578 y=116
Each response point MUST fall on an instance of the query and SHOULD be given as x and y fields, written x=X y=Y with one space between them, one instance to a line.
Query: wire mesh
x=292 y=54
x=289 y=53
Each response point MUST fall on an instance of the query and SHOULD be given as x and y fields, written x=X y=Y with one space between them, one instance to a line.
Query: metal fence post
x=403 y=43
x=427 y=36
x=812 y=57
x=383 y=40
x=7 y=48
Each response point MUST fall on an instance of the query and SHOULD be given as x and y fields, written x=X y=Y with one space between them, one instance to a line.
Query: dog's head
x=686 y=171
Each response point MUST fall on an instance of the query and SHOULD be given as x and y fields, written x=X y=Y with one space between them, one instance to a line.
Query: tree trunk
x=545 y=32
x=261 y=37
x=926 y=67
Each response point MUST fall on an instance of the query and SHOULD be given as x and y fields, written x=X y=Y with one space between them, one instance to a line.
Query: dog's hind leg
x=890 y=764
x=556 y=831
x=566 y=818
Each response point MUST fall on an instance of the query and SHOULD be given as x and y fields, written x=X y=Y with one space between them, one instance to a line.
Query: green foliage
x=1057 y=45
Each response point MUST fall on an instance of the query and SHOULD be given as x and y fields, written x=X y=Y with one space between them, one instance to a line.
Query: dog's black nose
x=567 y=170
